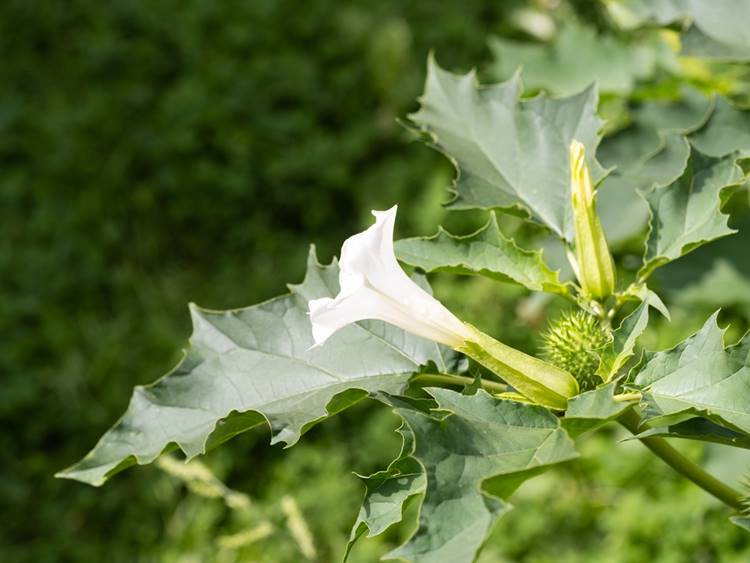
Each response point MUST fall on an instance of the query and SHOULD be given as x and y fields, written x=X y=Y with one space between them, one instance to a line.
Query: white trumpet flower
x=373 y=286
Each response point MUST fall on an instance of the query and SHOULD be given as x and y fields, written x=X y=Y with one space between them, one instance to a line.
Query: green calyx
x=573 y=342
x=540 y=382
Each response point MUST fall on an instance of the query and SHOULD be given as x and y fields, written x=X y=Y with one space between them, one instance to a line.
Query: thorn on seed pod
x=573 y=342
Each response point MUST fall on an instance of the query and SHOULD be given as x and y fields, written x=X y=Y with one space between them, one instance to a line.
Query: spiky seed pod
x=573 y=342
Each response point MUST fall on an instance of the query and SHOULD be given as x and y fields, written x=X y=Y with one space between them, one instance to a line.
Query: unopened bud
x=595 y=268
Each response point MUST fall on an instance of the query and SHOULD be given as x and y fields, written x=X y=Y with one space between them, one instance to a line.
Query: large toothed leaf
x=699 y=377
x=252 y=365
x=487 y=252
x=474 y=440
x=687 y=213
x=652 y=151
x=509 y=153
x=576 y=58
x=624 y=213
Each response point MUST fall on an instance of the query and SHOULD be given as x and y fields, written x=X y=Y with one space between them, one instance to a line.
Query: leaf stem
x=683 y=465
x=447 y=379
x=624 y=397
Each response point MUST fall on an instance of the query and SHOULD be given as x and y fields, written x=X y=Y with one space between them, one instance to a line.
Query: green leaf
x=510 y=153
x=698 y=377
x=577 y=58
x=741 y=521
x=682 y=115
x=487 y=252
x=721 y=286
x=698 y=43
x=388 y=491
x=687 y=213
x=471 y=440
x=623 y=212
x=592 y=409
x=719 y=29
x=625 y=336
x=727 y=131
x=255 y=365
x=699 y=429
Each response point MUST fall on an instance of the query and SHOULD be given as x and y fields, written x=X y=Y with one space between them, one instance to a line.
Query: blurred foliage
x=153 y=154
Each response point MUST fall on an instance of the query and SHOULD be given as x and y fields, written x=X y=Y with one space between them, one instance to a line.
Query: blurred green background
x=153 y=154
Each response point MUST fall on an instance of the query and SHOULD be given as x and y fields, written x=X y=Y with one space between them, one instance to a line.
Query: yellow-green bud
x=539 y=381
x=594 y=266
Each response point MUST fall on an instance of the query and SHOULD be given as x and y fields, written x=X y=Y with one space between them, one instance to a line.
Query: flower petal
x=373 y=286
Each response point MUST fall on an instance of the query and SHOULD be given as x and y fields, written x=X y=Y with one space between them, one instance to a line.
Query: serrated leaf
x=592 y=409
x=486 y=252
x=687 y=213
x=727 y=131
x=624 y=337
x=510 y=153
x=698 y=377
x=623 y=211
x=474 y=439
x=575 y=59
x=388 y=491
x=255 y=365
x=652 y=149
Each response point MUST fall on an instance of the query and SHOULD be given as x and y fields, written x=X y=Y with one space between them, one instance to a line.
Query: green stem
x=446 y=379
x=683 y=465
x=624 y=397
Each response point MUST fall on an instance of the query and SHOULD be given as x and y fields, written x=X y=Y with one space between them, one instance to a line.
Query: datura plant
x=480 y=417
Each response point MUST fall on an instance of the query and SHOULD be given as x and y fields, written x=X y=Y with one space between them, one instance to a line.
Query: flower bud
x=594 y=266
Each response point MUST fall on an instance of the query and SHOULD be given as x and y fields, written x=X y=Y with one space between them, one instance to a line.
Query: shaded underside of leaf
x=255 y=365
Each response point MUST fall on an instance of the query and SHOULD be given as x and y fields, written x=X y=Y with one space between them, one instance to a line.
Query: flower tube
x=373 y=286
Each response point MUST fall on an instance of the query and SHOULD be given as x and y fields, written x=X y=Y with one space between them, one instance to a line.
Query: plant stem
x=623 y=397
x=683 y=465
x=446 y=379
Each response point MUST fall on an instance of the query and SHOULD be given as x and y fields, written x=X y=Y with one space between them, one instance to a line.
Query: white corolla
x=373 y=286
